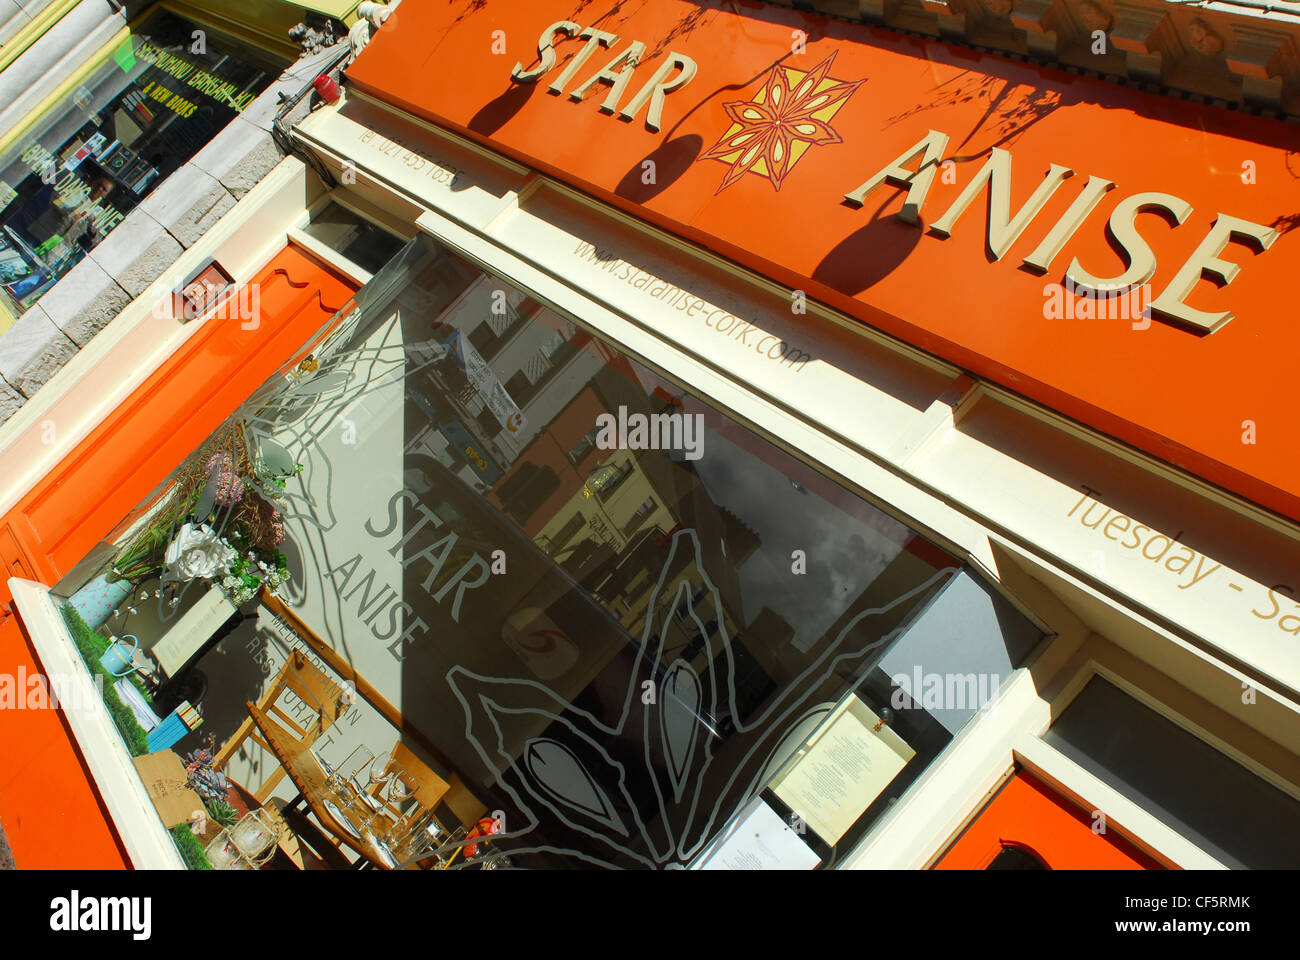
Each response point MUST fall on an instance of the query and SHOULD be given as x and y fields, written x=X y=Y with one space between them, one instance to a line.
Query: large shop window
x=153 y=103
x=599 y=616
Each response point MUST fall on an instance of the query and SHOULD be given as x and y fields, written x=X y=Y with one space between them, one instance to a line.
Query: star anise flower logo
x=791 y=112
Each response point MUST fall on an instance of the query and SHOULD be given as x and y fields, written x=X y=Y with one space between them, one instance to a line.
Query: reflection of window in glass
x=548 y=362
x=520 y=389
x=362 y=242
x=116 y=136
x=487 y=421
x=586 y=443
x=491 y=335
x=481 y=336
x=527 y=489
x=605 y=480
x=639 y=517
x=566 y=533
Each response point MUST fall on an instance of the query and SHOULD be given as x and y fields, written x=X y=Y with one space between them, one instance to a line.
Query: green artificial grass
x=190 y=848
x=93 y=645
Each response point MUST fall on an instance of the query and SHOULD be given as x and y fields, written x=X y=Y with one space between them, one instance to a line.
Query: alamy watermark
x=654 y=431
x=943 y=691
x=1070 y=302
x=75 y=913
x=23 y=691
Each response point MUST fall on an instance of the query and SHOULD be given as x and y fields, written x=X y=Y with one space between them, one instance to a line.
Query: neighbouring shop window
x=365 y=244
x=1237 y=817
x=612 y=641
x=161 y=95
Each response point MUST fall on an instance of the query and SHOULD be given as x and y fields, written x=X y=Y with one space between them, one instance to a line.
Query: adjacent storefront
x=614 y=451
x=148 y=103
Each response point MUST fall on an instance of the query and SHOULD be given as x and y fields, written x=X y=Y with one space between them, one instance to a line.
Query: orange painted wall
x=49 y=807
x=1027 y=813
x=1180 y=396
x=52 y=816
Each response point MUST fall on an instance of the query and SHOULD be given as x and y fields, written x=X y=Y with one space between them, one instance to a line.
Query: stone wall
x=144 y=245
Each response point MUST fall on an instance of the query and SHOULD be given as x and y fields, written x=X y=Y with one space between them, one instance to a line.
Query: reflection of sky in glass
x=847 y=543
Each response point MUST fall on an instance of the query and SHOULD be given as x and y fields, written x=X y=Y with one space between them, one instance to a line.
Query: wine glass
x=400 y=788
x=356 y=764
x=391 y=791
x=421 y=841
x=452 y=848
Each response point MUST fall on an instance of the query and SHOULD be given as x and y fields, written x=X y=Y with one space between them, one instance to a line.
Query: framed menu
x=845 y=765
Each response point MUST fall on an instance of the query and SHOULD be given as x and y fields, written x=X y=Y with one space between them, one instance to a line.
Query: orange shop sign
x=1135 y=252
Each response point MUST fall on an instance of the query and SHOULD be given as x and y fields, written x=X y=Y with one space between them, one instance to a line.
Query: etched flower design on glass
x=653 y=779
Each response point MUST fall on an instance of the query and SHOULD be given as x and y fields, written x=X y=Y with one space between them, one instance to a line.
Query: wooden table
x=314 y=788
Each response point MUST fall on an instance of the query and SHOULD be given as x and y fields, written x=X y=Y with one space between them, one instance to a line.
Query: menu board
x=760 y=840
x=846 y=765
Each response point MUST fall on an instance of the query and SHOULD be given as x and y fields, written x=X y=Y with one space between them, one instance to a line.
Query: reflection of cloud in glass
x=846 y=550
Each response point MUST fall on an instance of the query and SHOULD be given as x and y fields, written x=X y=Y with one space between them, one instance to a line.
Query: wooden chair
x=461 y=804
x=311 y=686
x=424 y=788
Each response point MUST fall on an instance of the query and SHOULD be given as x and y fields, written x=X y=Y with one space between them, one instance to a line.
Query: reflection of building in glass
x=500 y=378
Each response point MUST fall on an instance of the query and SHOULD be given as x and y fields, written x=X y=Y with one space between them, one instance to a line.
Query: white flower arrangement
x=200 y=553
x=197 y=553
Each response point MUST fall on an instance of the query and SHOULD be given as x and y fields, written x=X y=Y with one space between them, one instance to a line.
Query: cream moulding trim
x=136 y=822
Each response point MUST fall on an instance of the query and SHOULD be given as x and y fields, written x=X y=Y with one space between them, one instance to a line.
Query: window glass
x=365 y=244
x=603 y=610
x=158 y=98
x=1235 y=816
